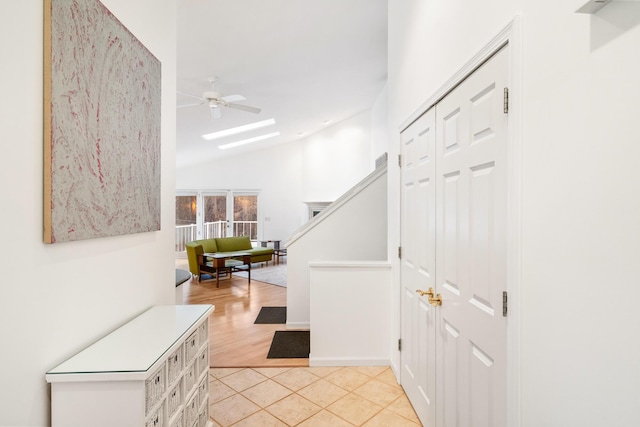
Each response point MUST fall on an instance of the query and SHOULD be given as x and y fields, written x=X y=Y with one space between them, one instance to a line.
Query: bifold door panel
x=454 y=206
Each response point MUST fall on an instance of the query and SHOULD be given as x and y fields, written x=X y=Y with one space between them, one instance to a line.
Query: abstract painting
x=101 y=125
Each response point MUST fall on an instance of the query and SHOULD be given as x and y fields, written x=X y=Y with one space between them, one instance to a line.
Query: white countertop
x=136 y=346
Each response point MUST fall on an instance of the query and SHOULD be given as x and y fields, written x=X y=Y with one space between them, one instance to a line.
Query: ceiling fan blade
x=215 y=112
x=233 y=98
x=189 y=105
x=190 y=96
x=244 y=108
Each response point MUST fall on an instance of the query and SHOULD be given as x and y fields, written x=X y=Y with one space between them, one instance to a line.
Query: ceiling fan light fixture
x=249 y=140
x=238 y=129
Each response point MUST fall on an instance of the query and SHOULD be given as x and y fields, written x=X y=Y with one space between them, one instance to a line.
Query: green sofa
x=225 y=245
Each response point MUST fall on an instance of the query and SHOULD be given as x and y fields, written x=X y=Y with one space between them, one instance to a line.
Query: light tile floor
x=308 y=397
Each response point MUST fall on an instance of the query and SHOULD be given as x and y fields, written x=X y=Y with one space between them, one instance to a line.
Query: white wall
x=353 y=229
x=354 y=329
x=336 y=159
x=318 y=168
x=57 y=299
x=580 y=234
x=275 y=172
x=379 y=126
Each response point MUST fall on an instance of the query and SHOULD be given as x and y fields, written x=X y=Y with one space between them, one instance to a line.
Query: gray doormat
x=272 y=316
x=290 y=345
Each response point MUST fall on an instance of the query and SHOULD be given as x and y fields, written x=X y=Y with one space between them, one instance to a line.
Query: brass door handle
x=435 y=301
x=422 y=293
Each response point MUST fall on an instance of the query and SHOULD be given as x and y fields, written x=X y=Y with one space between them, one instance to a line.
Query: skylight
x=249 y=140
x=239 y=129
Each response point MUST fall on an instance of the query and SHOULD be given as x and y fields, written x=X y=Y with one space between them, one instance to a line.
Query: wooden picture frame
x=102 y=103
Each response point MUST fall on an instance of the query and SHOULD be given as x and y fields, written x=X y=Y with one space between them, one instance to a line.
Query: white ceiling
x=302 y=62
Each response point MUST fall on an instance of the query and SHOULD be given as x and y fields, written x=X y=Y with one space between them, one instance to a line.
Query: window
x=245 y=216
x=215 y=216
x=316 y=207
x=186 y=226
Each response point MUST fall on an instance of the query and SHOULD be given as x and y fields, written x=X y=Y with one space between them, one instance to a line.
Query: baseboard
x=347 y=361
x=396 y=371
x=298 y=325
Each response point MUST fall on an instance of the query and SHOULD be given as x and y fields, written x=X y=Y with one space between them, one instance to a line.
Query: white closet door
x=418 y=265
x=471 y=188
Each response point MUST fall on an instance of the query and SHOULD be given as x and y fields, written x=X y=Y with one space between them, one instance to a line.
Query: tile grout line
x=317 y=378
x=290 y=393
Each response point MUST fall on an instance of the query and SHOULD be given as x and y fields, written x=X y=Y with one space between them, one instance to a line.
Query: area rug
x=290 y=345
x=272 y=316
x=182 y=276
x=272 y=274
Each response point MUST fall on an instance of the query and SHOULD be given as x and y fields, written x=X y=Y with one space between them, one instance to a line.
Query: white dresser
x=151 y=372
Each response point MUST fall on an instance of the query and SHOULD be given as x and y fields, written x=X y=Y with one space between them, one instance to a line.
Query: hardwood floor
x=235 y=340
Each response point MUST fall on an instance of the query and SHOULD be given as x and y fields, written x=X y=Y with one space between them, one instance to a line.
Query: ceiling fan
x=215 y=101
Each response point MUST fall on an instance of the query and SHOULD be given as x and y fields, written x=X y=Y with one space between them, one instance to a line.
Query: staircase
x=338 y=277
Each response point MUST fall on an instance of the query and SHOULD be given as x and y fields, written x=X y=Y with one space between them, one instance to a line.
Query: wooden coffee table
x=277 y=251
x=216 y=263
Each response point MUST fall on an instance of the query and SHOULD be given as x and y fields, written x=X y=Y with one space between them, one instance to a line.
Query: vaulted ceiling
x=302 y=62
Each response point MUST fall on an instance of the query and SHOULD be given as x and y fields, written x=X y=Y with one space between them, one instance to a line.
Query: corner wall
x=57 y=299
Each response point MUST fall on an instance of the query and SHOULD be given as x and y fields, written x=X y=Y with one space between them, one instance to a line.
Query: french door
x=215 y=221
x=454 y=207
x=418 y=265
x=207 y=214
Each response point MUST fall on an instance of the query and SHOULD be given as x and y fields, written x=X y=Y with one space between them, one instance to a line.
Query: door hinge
x=506 y=100
x=400 y=252
x=399 y=160
x=504 y=304
x=399 y=344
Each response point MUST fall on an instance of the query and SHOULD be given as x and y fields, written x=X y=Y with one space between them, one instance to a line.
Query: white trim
x=347 y=361
x=186 y=192
x=295 y=326
x=395 y=368
x=351 y=264
x=513 y=33
x=510 y=35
